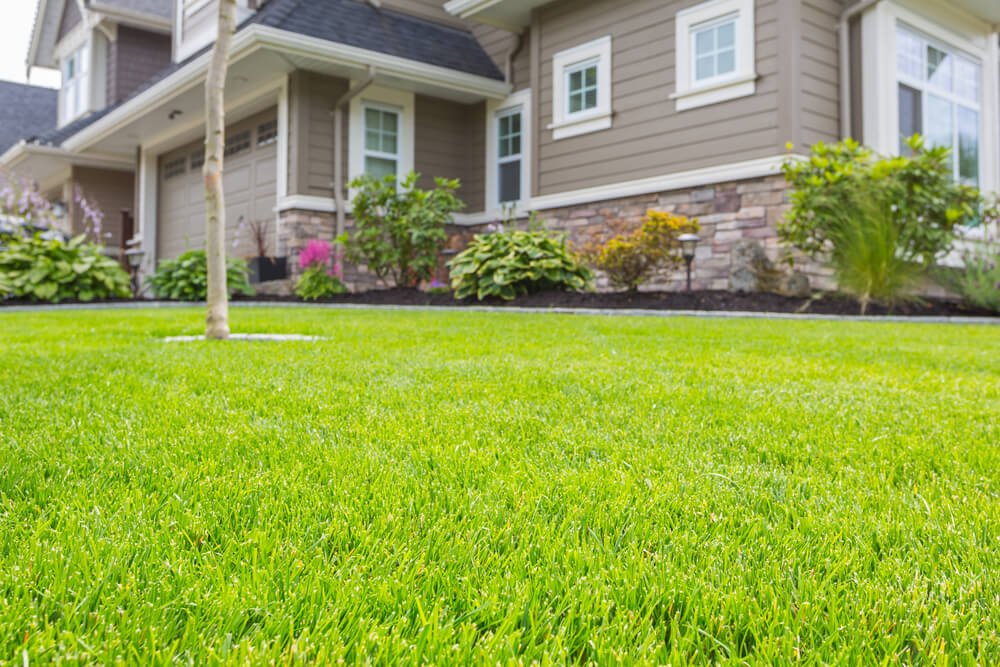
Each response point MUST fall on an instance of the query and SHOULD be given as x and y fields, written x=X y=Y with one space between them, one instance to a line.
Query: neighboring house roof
x=349 y=22
x=25 y=112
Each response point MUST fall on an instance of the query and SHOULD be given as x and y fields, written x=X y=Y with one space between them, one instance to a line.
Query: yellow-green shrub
x=630 y=259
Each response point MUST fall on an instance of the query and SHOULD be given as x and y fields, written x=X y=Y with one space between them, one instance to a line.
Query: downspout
x=338 y=153
x=845 y=62
x=513 y=53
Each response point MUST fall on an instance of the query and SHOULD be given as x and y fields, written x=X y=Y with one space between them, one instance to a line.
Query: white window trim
x=184 y=44
x=520 y=99
x=384 y=98
x=741 y=82
x=564 y=124
x=81 y=37
x=879 y=82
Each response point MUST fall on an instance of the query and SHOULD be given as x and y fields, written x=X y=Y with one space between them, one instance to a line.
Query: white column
x=146 y=216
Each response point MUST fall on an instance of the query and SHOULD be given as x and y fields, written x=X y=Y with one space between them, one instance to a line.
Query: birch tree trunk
x=217 y=321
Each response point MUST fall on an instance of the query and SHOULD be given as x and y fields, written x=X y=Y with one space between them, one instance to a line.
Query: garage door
x=249 y=179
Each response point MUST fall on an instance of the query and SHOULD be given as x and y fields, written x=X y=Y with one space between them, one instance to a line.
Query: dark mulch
x=827 y=304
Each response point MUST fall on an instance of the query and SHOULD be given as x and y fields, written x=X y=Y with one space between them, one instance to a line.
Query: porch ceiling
x=988 y=10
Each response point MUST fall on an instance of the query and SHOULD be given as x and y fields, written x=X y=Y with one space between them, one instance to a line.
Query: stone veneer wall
x=729 y=213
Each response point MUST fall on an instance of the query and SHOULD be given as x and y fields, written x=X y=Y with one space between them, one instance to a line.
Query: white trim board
x=738 y=171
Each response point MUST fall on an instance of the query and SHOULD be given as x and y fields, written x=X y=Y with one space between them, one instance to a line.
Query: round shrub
x=514 y=263
x=186 y=277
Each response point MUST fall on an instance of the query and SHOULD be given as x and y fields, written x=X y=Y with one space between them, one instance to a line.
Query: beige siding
x=498 y=43
x=450 y=139
x=819 y=82
x=110 y=191
x=649 y=137
x=70 y=19
x=450 y=143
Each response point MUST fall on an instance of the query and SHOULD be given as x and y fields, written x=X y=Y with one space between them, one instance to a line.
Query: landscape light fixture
x=134 y=256
x=689 y=242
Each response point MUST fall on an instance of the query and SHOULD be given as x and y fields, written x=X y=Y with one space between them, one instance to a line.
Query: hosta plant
x=52 y=270
x=509 y=264
x=186 y=277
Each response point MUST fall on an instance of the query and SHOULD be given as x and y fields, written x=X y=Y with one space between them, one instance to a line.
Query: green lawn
x=474 y=487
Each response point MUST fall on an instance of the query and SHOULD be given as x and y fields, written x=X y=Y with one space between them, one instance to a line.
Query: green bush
x=318 y=282
x=513 y=263
x=925 y=201
x=186 y=277
x=53 y=270
x=631 y=259
x=978 y=281
x=399 y=228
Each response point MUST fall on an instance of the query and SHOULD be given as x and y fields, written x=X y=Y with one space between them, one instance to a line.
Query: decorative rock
x=796 y=284
x=743 y=279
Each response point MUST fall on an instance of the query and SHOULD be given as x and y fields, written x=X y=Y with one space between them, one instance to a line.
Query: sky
x=15 y=34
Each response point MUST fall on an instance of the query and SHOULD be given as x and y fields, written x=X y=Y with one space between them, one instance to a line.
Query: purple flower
x=316 y=252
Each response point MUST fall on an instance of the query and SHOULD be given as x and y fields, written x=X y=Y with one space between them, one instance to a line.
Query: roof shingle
x=25 y=112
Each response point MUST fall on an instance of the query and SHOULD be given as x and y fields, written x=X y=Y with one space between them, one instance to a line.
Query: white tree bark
x=217 y=320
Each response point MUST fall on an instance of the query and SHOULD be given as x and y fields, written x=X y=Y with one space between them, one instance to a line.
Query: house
x=586 y=111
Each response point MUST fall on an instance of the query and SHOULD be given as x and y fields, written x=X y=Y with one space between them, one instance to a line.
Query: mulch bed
x=828 y=304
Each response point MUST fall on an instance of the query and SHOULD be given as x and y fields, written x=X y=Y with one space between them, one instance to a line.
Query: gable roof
x=163 y=9
x=25 y=112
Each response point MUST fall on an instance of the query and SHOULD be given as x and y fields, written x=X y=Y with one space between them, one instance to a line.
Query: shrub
x=186 y=277
x=926 y=203
x=53 y=270
x=871 y=260
x=399 y=228
x=513 y=263
x=319 y=279
x=978 y=281
x=631 y=259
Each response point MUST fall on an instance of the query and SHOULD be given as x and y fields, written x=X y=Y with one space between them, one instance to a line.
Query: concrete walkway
x=629 y=312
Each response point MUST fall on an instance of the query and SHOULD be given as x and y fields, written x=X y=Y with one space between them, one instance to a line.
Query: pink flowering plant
x=320 y=278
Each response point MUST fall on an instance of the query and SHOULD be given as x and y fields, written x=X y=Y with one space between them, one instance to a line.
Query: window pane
x=575 y=102
x=726 y=62
x=515 y=123
x=380 y=167
x=590 y=99
x=939 y=68
x=515 y=145
x=704 y=68
x=510 y=182
x=939 y=124
x=704 y=42
x=373 y=140
x=967 y=79
x=910 y=116
x=389 y=143
x=590 y=77
x=390 y=122
x=373 y=119
x=968 y=146
x=575 y=81
x=910 y=54
x=726 y=35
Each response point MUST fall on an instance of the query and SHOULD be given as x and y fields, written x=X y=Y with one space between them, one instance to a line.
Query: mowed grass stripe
x=490 y=487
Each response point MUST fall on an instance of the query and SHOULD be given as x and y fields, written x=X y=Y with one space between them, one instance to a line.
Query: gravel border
x=628 y=312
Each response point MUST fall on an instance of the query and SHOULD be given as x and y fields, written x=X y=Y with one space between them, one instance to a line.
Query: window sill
x=577 y=126
x=715 y=93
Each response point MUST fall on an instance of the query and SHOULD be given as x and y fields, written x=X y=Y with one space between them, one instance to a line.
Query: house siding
x=819 y=91
x=450 y=143
x=110 y=191
x=649 y=136
x=310 y=154
x=70 y=19
x=498 y=43
x=134 y=58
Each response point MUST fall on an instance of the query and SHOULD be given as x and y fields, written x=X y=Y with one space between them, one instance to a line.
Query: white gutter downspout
x=845 y=63
x=338 y=153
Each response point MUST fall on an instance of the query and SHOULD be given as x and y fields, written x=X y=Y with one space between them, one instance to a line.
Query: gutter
x=843 y=28
x=338 y=153
x=511 y=55
x=256 y=37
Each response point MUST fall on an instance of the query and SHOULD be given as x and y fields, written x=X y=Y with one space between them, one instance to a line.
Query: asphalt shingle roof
x=351 y=22
x=25 y=112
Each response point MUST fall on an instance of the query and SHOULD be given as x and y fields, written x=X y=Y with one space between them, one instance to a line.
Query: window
x=267 y=133
x=381 y=142
x=75 y=83
x=939 y=97
x=174 y=168
x=715 y=53
x=198 y=159
x=715 y=50
x=509 y=156
x=582 y=89
x=237 y=143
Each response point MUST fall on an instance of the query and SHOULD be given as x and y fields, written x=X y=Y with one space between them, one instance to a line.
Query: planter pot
x=266 y=269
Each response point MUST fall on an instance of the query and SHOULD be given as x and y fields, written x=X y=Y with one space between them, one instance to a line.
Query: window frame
x=565 y=123
x=926 y=88
x=400 y=101
x=690 y=93
x=518 y=157
x=77 y=88
x=521 y=100
x=381 y=155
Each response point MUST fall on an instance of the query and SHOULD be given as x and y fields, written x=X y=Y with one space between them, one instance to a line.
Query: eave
x=513 y=15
